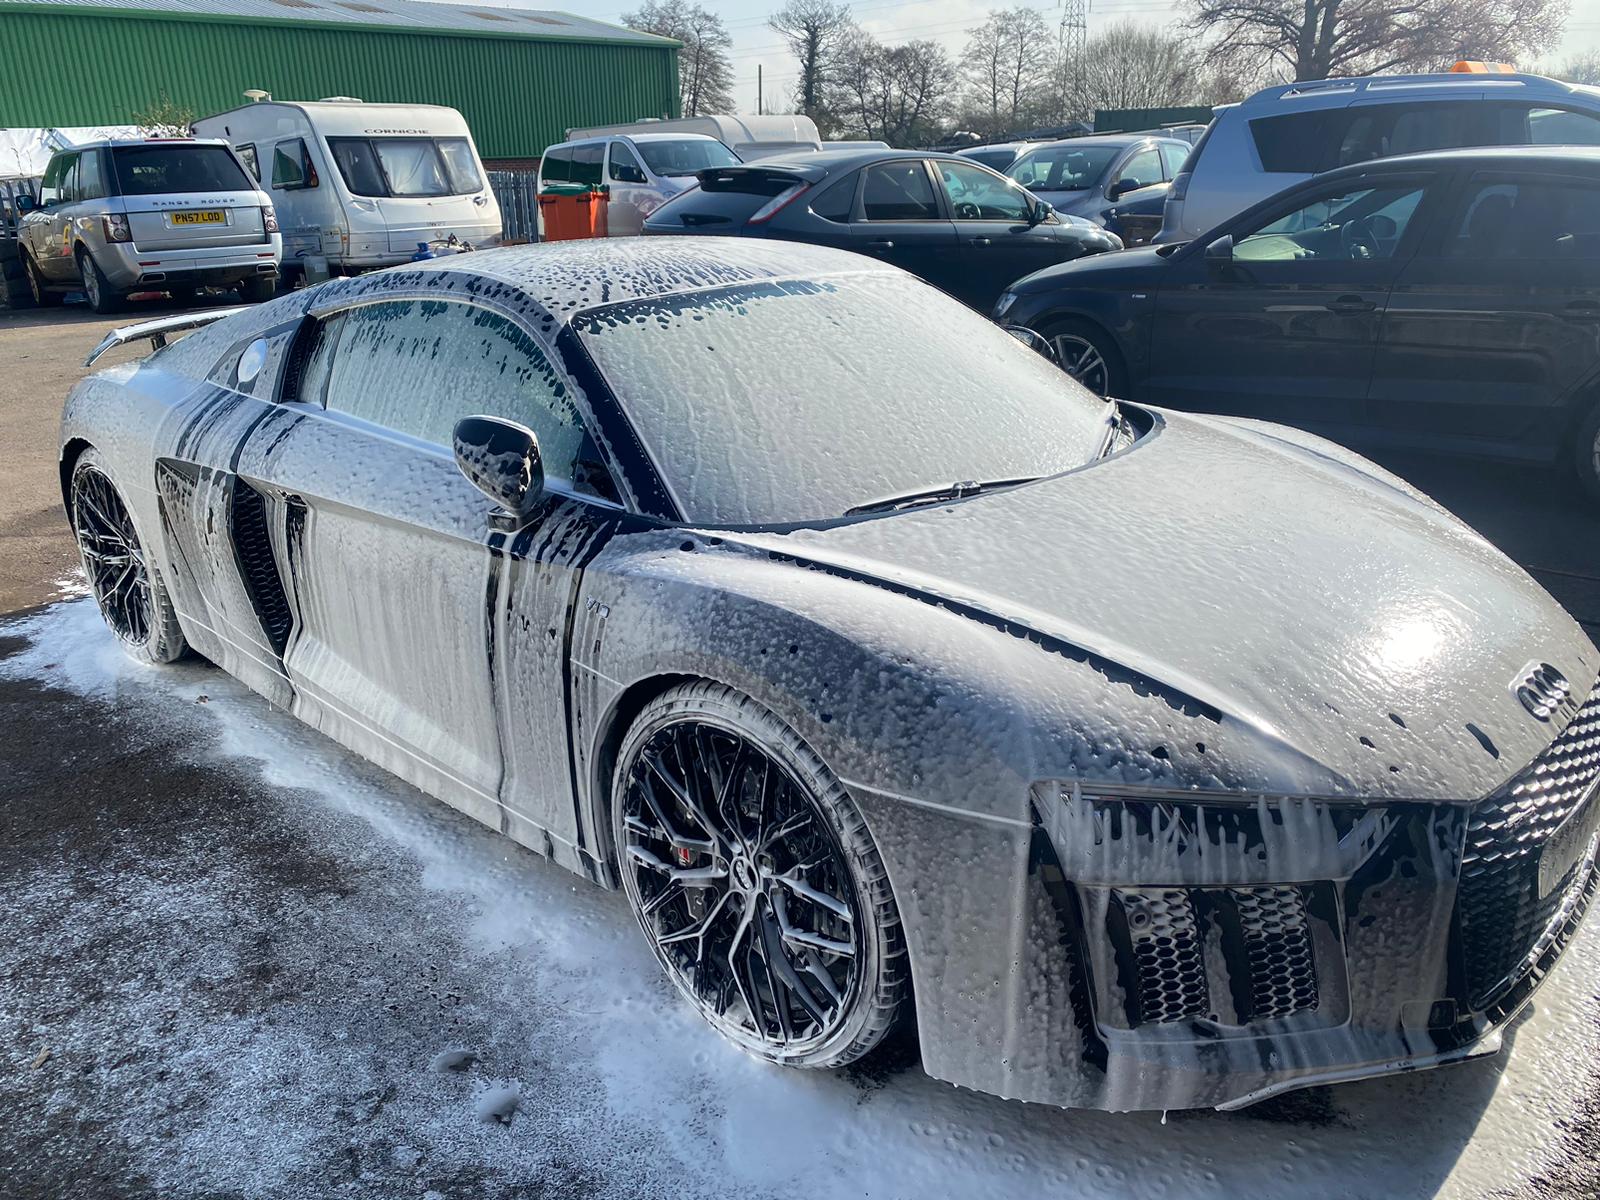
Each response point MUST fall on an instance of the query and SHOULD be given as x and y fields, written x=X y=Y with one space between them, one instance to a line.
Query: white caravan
x=358 y=186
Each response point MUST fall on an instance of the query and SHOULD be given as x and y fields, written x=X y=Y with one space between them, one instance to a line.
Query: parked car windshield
x=803 y=399
x=1063 y=168
x=687 y=156
x=406 y=166
x=174 y=169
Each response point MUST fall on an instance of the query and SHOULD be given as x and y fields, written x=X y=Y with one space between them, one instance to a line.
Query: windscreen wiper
x=953 y=491
x=1110 y=423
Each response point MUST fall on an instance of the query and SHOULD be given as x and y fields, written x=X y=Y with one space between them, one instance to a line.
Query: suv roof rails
x=1450 y=80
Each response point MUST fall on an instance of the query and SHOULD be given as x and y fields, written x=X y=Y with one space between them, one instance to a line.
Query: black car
x=954 y=222
x=1447 y=301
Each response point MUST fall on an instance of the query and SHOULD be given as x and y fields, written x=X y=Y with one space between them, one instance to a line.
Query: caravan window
x=406 y=166
x=291 y=165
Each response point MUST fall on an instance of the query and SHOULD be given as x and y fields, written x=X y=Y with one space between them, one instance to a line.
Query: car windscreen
x=722 y=199
x=800 y=400
x=176 y=169
x=406 y=166
x=685 y=157
x=1063 y=168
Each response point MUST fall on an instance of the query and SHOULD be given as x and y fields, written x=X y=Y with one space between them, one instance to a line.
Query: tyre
x=126 y=585
x=41 y=295
x=1586 y=454
x=258 y=289
x=103 y=298
x=1088 y=354
x=756 y=881
x=16 y=293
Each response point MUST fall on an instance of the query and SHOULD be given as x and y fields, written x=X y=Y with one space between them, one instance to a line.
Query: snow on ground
x=555 y=1060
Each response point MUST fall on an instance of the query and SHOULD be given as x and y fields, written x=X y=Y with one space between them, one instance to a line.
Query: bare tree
x=165 y=118
x=815 y=30
x=1007 y=66
x=1317 y=39
x=705 y=72
x=1582 y=67
x=899 y=94
x=1134 y=66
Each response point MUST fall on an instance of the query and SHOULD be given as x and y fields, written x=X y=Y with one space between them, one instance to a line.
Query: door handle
x=1352 y=304
x=881 y=245
x=982 y=242
x=1582 y=310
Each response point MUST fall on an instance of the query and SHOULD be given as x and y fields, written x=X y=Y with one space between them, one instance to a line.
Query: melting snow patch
x=499 y=1102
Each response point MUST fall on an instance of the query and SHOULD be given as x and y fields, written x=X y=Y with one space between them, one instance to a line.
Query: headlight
x=1003 y=305
x=116 y=227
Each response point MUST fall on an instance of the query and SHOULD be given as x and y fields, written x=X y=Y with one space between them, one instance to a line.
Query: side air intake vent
x=253 y=545
x=1169 y=964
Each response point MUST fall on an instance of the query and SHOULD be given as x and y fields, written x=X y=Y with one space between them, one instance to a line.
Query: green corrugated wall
x=518 y=95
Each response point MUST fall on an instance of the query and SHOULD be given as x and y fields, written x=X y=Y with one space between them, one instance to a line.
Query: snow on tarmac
x=660 y=1105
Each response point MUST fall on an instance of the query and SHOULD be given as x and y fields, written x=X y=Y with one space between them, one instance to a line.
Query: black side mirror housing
x=1033 y=341
x=1041 y=212
x=1121 y=188
x=1220 y=252
x=501 y=459
x=25 y=204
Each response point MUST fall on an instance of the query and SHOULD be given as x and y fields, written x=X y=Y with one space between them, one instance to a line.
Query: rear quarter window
x=721 y=201
x=1293 y=143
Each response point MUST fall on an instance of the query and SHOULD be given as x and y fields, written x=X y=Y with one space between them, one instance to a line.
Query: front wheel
x=756 y=881
x=1088 y=354
x=125 y=583
x=103 y=298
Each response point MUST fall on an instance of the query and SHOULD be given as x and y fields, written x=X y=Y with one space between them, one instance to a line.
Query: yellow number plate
x=205 y=216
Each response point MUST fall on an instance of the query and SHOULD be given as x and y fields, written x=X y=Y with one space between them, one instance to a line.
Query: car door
x=998 y=241
x=1495 y=324
x=1285 y=325
x=1139 y=168
x=900 y=221
x=424 y=635
x=48 y=239
x=631 y=197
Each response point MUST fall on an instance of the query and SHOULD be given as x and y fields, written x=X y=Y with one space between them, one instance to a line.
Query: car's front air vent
x=1169 y=960
x=1270 y=923
x=252 y=543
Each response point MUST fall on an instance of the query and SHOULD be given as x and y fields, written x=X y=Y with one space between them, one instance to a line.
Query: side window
x=979 y=195
x=556 y=166
x=1173 y=158
x=419 y=366
x=899 y=191
x=1562 y=127
x=91 y=175
x=837 y=201
x=50 y=188
x=1527 y=219
x=1295 y=143
x=247 y=155
x=1144 y=168
x=624 y=166
x=1381 y=130
x=586 y=163
x=291 y=165
x=1364 y=224
x=69 y=180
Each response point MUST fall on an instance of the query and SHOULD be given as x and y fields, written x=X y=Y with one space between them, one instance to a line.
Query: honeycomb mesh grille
x=1168 y=956
x=1501 y=914
x=1277 y=946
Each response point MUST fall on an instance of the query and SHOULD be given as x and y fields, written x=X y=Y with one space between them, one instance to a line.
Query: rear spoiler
x=157 y=330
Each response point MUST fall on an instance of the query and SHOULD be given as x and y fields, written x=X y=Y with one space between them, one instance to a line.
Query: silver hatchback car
x=157 y=214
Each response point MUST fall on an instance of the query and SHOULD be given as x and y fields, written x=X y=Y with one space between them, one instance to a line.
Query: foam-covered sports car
x=1135 y=759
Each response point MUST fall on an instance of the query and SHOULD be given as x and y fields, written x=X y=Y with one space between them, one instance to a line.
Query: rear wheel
x=1088 y=354
x=103 y=298
x=756 y=881
x=125 y=584
x=258 y=289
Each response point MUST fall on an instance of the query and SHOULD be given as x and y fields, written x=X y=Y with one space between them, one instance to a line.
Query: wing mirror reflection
x=501 y=459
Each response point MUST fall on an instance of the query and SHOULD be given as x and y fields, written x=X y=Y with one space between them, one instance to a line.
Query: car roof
x=633 y=137
x=549 y=283
x=1520 y=157
x=1110 y=139
x=1448 y=84
x=101 y=143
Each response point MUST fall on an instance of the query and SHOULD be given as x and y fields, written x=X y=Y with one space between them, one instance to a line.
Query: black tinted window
x=419 y=366
x=586 y=163
x=156 y=170
x=837 y=200
x=1294 y=143
x=1380 y=130
x=899 y=191
x=723 y=198
x=998 y=160
x=91 y=175
x=625 y=166
x=556 y=166
x=1527 y=219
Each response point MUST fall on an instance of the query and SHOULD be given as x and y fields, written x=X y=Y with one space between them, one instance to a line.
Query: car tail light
x=1180 y=186
x=116 y=227
x=777 y=204
x=269 y=220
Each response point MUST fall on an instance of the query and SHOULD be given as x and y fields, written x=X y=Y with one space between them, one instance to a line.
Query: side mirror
x=25 y=204
x=501 y=459
x=1034 y=342
x=1043 y=210
x=1122 y=187
x=1220 y=252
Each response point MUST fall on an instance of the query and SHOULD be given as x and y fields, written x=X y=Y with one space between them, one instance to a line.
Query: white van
x=361 y=185
x=638 y=172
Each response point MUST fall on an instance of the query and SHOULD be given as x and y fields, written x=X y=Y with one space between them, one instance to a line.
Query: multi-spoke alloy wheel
x=745 y=885
x=120 y=575
x=1083 y=361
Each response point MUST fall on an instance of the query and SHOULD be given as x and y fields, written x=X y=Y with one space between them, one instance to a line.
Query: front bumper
x=129 y=268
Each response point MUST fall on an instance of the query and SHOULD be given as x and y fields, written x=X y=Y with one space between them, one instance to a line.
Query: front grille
x=1169 y=964
x=1276 y=940
x=1499 y=910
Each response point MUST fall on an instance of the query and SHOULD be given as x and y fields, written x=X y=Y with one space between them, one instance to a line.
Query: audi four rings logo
x=1543 y=690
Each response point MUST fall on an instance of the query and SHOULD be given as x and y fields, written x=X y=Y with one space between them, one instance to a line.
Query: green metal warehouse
x=521 y=77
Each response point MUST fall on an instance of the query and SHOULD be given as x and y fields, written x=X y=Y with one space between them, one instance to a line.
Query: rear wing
x=158 y=330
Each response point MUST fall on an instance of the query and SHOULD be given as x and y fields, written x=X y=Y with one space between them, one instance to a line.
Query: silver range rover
x=156 y=214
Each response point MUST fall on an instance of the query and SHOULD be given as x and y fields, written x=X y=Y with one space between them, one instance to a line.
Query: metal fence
x=517 y=194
